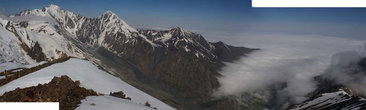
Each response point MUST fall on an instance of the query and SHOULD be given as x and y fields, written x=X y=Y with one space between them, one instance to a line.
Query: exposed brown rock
x=119 y=94
x=36 y=53
x=61 y=89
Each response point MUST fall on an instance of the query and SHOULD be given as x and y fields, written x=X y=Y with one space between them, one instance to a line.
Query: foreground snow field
x=8 y=66
x=90 y=77
x=12 y=66
x=110 y=103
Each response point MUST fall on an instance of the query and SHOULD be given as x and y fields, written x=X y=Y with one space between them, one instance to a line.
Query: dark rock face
x=23 y=24
x=60 y=89
x=89 y=31
x=36 y=53
x=362 y=64
x=230 y=53
x=185 y=65
x=189 y=76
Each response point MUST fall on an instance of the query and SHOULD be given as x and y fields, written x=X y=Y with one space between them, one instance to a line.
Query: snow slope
x=10 y=51
x=110 y=102
x=16 y=67
x=8 y=66
x=89 y=76
x=31 y=29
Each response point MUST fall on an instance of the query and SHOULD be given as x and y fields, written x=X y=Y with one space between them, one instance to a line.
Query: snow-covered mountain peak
x=50 y=10
x=112 y=23
x=109 y=13
x=182 y=32
x=110 y=18
x=108 y=29
x=55 y=11
x=178 y=29
x=52 y=7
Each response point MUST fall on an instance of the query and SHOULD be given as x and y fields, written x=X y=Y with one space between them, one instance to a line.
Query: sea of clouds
x=284 y=58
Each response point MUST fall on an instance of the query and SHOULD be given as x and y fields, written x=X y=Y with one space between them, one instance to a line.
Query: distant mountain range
x=177 y=66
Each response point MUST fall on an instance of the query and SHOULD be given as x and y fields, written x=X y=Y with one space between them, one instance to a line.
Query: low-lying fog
x=284 y=58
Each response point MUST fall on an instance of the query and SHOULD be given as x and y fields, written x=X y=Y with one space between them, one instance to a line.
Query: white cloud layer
x=345 y=70
x=284 y=58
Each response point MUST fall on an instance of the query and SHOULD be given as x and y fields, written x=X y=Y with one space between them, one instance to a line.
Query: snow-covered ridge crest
x=109 y=17
x=53 y=7
x=29 y=30
x=10 y=51
x=94 y=29
x=50 y=10
x=69 y=20
x=108 y=30
x=110 y=23
x=73 y=22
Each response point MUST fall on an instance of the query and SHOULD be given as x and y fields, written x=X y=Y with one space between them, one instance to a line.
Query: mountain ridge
x=174 y=65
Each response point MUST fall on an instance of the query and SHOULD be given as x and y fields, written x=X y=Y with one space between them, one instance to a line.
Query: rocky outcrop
x=120 y=94
x=36 y=53
x=61 y=89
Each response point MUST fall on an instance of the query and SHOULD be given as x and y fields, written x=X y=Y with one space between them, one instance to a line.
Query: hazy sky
x=215 y=19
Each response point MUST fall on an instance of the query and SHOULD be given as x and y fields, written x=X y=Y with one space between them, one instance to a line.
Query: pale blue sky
x=215 y=19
